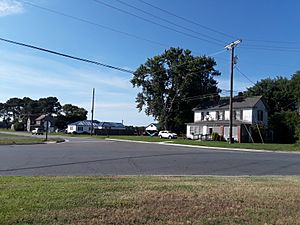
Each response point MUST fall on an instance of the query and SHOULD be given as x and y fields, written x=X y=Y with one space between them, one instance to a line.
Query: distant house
x=213 y=117
x=81 y=127
x=152 y=129
x=40 y=122
x=101 y=128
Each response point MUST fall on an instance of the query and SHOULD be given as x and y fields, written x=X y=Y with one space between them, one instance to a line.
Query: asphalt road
x=103 y=157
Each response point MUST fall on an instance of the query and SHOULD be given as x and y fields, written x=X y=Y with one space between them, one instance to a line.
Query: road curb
x=206 y=147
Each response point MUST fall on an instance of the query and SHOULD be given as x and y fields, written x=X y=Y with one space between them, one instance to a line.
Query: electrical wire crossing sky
x=67 y=48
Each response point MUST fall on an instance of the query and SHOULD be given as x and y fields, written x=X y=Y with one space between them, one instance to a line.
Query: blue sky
x=96 y=30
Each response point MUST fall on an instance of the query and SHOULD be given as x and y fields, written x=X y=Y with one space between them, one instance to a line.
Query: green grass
x=11 y=139
x=6 y=135
x=267 y=146
x=149 y=200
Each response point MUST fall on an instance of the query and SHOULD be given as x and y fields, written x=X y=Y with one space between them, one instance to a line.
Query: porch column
x=239 y=133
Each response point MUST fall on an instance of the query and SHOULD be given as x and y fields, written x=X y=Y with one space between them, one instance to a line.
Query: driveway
x=107 y=157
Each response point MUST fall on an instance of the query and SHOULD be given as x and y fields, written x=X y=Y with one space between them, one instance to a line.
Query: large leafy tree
x=14 y=108
x=283 y=97
x=277 y=92
x=169 y=81
x=49 y=105
x=69 y=114
x=295 y=87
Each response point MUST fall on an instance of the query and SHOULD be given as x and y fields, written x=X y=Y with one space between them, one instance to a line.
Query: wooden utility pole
x=92 y=111
x=231 y=47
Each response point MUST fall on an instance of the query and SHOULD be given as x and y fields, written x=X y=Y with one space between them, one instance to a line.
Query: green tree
x=295 y=87
x=69 y=114
x=168 y=81
x=13 y=107
x=49 y=105
x=277 y=92
x=284 y=125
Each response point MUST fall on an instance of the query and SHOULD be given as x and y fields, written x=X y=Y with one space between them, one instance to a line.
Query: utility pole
x=92 y=111
x=231 y=47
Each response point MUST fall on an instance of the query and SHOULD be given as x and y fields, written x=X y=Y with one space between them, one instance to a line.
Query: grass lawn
x=267 y=146
x=9 y=139
x=149 y=200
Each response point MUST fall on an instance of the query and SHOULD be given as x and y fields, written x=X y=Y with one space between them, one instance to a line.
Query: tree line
x=282 y=96
x=16 y=111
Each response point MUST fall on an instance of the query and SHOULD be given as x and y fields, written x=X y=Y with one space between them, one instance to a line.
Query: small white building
x=213 y=117
x=152 y=129
x=85 y=126
x=81 y=127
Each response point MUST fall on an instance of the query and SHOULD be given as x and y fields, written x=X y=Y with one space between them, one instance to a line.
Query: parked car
x=166 y=134
x=37 y=131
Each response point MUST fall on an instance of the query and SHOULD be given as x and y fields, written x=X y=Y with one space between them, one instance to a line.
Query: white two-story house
x=213 y=117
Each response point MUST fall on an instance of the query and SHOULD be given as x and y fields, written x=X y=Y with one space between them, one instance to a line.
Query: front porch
x=203 y=130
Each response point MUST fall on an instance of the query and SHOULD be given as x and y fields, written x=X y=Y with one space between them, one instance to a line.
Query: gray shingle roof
x=238 y=103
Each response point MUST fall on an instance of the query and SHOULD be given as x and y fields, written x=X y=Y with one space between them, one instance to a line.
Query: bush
x=18 y=126
x=297 y=133
x=215 y=137
x=285 y=126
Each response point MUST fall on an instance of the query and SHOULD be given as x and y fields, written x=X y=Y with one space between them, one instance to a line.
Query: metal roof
x=238 y=103
x=97 y=123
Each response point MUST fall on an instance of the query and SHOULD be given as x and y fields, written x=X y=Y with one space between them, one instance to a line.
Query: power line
x=217 y=53
x=93 y=23
x=187 y=20
x=273 y=41
x=256 y=47
x=103 y=26
x=244 y=75
x=271 y=48
x=67 y=56
x=199 y=97
x=168 y=21
x=155 y=23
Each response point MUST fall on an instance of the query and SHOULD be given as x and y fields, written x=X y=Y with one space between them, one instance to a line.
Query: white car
x=37 y=131
x=166 y=134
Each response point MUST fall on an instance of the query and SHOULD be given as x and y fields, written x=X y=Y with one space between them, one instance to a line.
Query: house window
x=202 y=115
x=260 y=115
x=217 y=115
x=192 y=130
x=71 y=128
x=222 y=115
x=80 y=128
x=239 y=114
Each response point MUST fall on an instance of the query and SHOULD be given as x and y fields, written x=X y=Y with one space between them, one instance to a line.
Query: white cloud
x=10 y=7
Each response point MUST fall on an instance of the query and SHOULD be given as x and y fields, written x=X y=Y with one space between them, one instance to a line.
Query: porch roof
x=219 y=123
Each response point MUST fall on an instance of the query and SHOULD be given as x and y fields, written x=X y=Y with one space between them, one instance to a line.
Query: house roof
x=153 y=126
x=42 y=117
x=238 y=103
x=111 y=124
x=218 y=123
x=85 y=123
x=97 y=123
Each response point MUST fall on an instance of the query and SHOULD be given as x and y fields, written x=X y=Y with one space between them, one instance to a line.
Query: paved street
x=104 y=157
